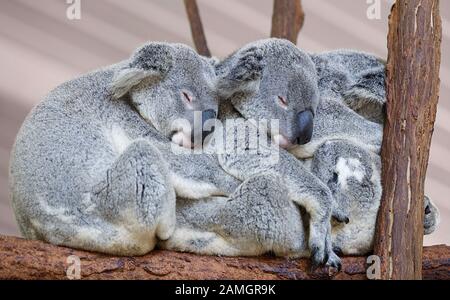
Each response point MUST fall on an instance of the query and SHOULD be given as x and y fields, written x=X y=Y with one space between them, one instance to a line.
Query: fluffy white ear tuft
x=127 y=78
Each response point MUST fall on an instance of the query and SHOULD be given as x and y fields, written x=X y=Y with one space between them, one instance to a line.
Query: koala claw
x=317 y=257
x=340 y=217
x=334 y=261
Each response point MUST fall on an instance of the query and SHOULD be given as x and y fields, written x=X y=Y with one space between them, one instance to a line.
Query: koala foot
x=431 y=218
x=136 y=197
x=326 y=256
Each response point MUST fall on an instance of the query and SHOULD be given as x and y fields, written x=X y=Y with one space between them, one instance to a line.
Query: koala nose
x=304 y=126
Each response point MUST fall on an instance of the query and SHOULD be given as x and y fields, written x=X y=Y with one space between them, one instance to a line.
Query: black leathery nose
x=305 y=122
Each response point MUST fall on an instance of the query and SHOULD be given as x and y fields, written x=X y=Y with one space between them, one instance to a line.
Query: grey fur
x=94 y=172
x=249 y=82
x=346 y=145
x=356 y=78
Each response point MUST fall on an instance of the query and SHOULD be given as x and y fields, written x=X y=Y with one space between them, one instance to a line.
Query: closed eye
x=282 y=101
x=187 y=97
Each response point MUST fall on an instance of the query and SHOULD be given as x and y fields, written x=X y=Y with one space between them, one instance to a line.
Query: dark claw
x=338 y=251
x=316 y=260
x=341 y=219
x=336 y=265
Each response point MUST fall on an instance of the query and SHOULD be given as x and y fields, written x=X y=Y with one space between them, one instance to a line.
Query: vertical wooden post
x=412 y=86
x=198 y=34
x=287 y=19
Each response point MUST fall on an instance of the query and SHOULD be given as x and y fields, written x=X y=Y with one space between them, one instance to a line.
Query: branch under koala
x=25 y=259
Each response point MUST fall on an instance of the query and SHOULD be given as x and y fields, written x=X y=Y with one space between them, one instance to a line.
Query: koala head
x=172 y=87
x=272 y=80
x=432 y=217
x=352 y=174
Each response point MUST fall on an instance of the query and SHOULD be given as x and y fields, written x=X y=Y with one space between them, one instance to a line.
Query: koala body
x=93 y=165
x=260 y=82
x=346 y=143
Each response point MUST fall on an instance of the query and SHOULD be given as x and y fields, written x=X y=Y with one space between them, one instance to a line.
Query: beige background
x=40 y=48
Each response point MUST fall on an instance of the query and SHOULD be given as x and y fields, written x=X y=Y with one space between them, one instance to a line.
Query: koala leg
x=137 y=199
x=301 y=187
x=123 y=214
x=257 y=218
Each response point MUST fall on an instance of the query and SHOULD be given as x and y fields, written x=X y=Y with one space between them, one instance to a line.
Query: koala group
x=100 y=164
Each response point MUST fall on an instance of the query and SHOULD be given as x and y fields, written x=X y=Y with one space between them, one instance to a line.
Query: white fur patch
x=347 y=168
x=182 y=239
x=192 y=189
x=56 y=212
x=118 y=138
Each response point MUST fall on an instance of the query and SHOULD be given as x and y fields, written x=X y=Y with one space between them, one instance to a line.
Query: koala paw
x=340 y=216
x=317 y=257
x=249 y=66
x=333 y=261
x=431 y=217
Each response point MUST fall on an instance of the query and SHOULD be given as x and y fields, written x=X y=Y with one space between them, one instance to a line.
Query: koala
x=345 y=148
x=93 y=165
x=353 y=175
x=274 y=80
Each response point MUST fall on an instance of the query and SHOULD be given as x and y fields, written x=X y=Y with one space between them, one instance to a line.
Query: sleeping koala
x=353 y=175
x=353 y=96
x=260 y=81
x=93 y=165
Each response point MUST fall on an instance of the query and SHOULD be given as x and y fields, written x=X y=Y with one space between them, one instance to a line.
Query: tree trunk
x=198 y=34
x=25 y=259
x=412 y=87
x=287 y=19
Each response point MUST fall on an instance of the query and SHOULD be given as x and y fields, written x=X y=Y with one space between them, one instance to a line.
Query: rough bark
x=412 y=87
x=198 y=34
x=287 y=19
x=25 y=259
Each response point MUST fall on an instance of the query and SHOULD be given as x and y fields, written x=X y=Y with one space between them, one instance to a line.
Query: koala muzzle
x=305 y=122
x=207 y=115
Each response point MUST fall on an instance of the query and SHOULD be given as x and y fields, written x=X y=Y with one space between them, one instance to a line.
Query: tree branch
x=25 y=259
x=198 y=34
x=287 y=19
x=412 y=88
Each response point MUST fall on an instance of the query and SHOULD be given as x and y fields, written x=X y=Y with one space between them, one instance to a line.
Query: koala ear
x=240 y=72
x=151 y=60
x=367 y=96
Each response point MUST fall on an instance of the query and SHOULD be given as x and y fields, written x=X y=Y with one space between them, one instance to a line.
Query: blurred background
x=40 y=47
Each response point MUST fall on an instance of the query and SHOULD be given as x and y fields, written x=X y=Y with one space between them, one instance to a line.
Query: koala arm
x=302 y=188
x=196 y=175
